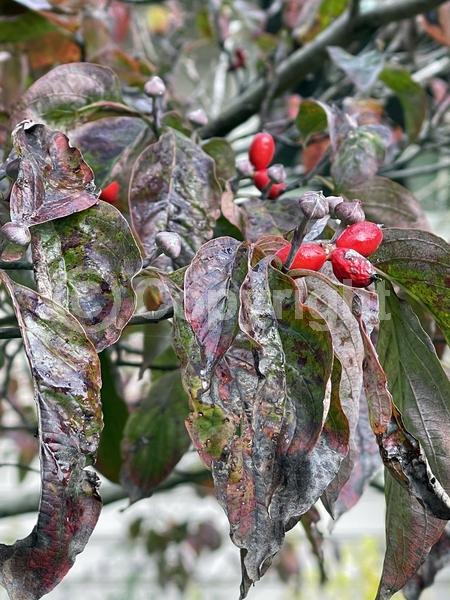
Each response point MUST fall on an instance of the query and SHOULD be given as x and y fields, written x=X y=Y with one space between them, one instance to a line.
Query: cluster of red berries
x=348 y=258
x=260 y=154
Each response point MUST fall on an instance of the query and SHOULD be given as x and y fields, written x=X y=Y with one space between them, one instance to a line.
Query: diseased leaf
x=400 y=451
x=115 y=416
x=420 y=262
x=310 y=521
x=358 y=157
x=312 y=118
x=411 y=95
x=410 y=533
x=155 y=437
x=223 y=154
x=66 y=377
x=437 y=559
x=104 y=142
x=53 y=180
x=389 y=203
x=173 y=188
x=86 y=262
x=211 y=295
x=363 y=69
x=56 y=97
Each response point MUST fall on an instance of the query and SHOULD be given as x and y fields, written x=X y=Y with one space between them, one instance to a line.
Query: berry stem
x=297 y=240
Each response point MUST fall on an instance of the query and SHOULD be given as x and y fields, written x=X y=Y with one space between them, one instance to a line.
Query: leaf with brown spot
x=66 y=376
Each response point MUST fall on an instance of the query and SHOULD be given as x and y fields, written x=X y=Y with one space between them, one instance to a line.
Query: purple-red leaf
x=86 y=262
x=66 y=376
x=53 y=179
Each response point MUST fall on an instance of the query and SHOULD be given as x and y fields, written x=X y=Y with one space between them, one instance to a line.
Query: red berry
x=309 y=256
x=352 y=268
x=364 y=237
x=110 y=193
x=261 y=179
x=261 y=150
x=276 y=190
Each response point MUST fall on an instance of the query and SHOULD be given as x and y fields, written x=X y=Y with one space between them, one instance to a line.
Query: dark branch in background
x=29 y=503
x=294 y=69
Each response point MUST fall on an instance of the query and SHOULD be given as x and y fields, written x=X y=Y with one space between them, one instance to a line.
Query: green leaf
x=115 y=416
x=53 y=179
x=23 y=27
x=57 y=96
x=388 y=202
x=86 y=262
x=317 y=16
x=419 y=385
x=66 y=378
x=312 y=118
x=410 y=533
x=174 y=188
x=420 y=262
x=411 y=95
x=223 y=154
x=363 y=70
x=155 y=437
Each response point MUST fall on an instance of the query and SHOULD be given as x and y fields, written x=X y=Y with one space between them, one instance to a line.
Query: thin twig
x=419 y=170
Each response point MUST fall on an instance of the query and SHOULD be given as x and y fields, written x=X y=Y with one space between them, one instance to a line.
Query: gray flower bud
x=16 y=233
x=155 y=87
x=350 y=212
x=277 y=173
x=169 y=243
x=198 y=117
x=314 y=205
x=333 y=201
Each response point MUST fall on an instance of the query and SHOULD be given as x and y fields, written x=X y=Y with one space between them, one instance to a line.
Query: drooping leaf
x=363 y=69
x=358 y=157
x=222 y=153
x=155 y=437
x=115 y=416
x=438 y=559
x=104 y=142
x=56 y=97
x=66 y=377
x=401 y=453
x=312 y=118
x=389 y=203
x=410 y=533
x=173 y=188
x=412 y=97
x=310 y=521
x=87 y=262
x=418 y=383
x=53 y=179
x=211 y=295
x=420 y=262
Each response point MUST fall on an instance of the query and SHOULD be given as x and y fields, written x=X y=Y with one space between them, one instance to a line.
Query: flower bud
x=155 y=87
x=16 y=233
x=169 y=243
x=350 y=212
x=198 y=117
x=314 y=205
x=333 y=201
x=277 y=173
x=245 y=168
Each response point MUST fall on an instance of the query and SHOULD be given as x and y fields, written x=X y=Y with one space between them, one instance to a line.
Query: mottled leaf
x=411 y=95
x=310 y=521
x=57 y=97
x=86 y=262
x=223 y=154
x=53 y=179
x=115 y=415
x=363 y=69
x=420 y=262
x=66 y=376
x=410 y=533
x=104 y=142
x=211 y=295
x=155 y=437
x=438 y=559
x=173 y=188
x=387 y=202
